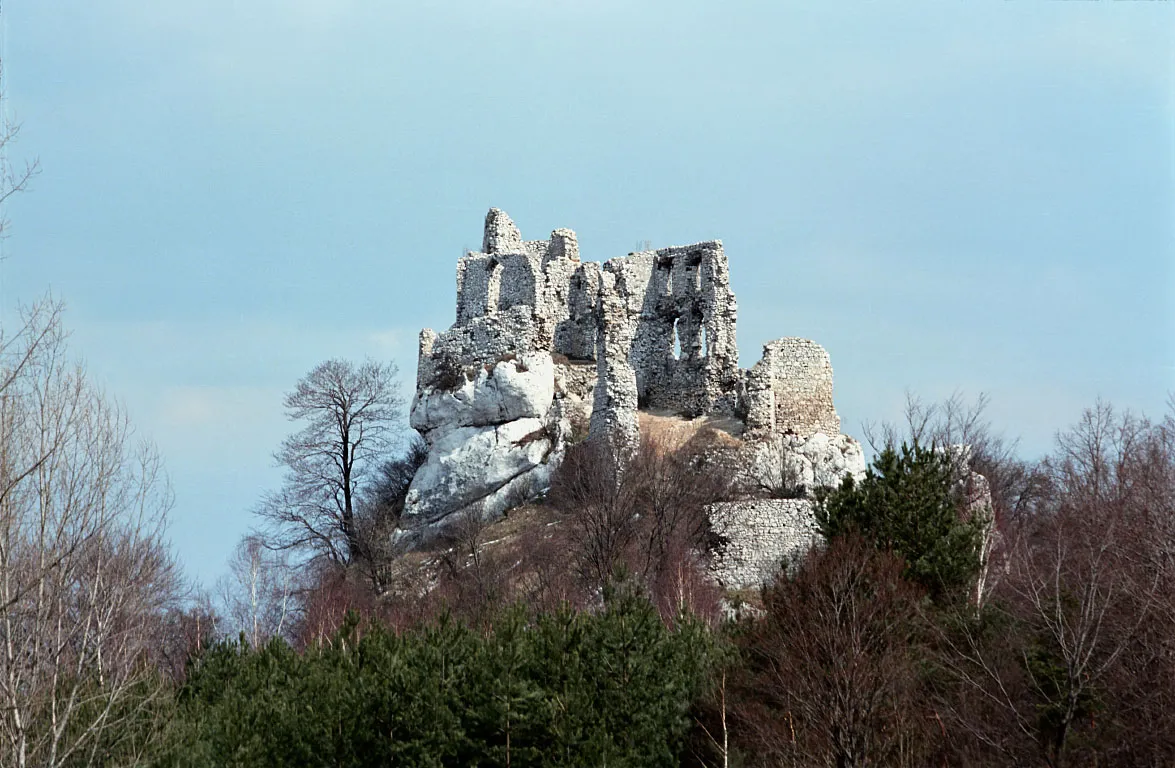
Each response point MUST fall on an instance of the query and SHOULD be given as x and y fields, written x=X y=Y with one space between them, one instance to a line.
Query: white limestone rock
x=790 y=462
x=825 y=461
x=490 y=436
x=520 y=488
x=511 y=389
x=471 y=464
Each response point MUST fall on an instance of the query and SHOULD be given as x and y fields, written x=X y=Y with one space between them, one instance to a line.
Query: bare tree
x=258 y=593
x=547 y=582
x=1014 y=483
x=1084 y=652
x=186 y=630
x=674 y=485
x=650 y=518
x=830 y=678
x=85 y=575
x=985 y=464
x=329 y=596
x=474 y=572
x=350 y=414
x=378 y=513
x=601 y=511
x=13 y=179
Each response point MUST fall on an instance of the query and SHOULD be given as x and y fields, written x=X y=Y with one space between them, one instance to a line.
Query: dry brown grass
x=675 y=432
x=526 y=553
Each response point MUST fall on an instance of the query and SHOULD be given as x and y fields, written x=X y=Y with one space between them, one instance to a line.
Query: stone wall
x=756 y=537
x=593 y=344
x=673 y=307
x=789 y=391
x=683 y=315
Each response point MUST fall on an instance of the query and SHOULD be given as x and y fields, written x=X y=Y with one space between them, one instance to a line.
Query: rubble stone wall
x=757 y=536
x=684 y=350
x=799 y=376
x=589 y=343
x=575 y=328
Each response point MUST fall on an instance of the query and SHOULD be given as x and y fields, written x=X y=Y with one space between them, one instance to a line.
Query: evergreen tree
x=411 y=690
x=643 y=677
x=506 y=705
x=568 y=689
x=906 y=505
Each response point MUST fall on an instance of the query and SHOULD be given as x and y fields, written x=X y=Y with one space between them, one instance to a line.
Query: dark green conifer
x=906 y=504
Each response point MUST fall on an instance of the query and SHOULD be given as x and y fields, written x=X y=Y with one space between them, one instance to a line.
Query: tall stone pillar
x=614 y=413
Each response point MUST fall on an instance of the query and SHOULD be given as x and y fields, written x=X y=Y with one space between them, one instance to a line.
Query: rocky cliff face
x=546 y=345
x=492 y=430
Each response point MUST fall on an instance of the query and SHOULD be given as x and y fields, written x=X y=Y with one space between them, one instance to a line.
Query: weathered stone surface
x=489 y=428
x=679 y=325
x=789 y=391
x=825 y=461
x=564 y=245
x=614 y=412
x=548 y=344
x=756 y=537
x=788 y=463
x=974 y=494
x=501 y=236
x=470 y=465
x=510 y=389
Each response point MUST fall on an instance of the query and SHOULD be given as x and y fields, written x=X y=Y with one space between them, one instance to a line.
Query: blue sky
x=972 y=196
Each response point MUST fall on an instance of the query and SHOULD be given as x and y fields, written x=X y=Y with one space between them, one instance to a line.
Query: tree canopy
x=907 y=504
x=349 y=413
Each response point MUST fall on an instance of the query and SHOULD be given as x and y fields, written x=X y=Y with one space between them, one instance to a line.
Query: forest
x=297 y=463
x=581 y=629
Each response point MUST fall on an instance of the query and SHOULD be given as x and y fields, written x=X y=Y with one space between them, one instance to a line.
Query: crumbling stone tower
x=544 y=342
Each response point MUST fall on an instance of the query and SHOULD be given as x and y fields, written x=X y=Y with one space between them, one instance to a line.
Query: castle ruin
x=546 y=345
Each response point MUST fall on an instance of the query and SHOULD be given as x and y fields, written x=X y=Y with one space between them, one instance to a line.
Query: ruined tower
x=545 y=343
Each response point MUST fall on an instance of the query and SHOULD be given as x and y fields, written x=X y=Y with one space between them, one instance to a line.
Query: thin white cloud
x=225 y=411
x=388 y=343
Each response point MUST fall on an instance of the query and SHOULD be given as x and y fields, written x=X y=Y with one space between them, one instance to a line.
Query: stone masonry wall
x=614 y=412
x=789 y=391
x=576 y=328
x=757 y=535
x=673 y=308
x=545 y=343
x=683 y=315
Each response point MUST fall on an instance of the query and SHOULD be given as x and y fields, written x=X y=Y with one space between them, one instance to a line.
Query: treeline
x=923 y=635
x=927 y=630
x=567 y=688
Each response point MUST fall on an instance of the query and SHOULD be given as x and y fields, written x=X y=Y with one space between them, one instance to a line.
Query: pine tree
x=906 y=505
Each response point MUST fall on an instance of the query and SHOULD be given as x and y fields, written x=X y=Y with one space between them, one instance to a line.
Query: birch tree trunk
x=85 y=576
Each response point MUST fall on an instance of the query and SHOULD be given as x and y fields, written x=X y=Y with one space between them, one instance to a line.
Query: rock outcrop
x=546 y=346
x=491 y=432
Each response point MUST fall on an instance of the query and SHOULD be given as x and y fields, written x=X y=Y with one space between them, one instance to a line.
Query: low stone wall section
x=757 y=536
